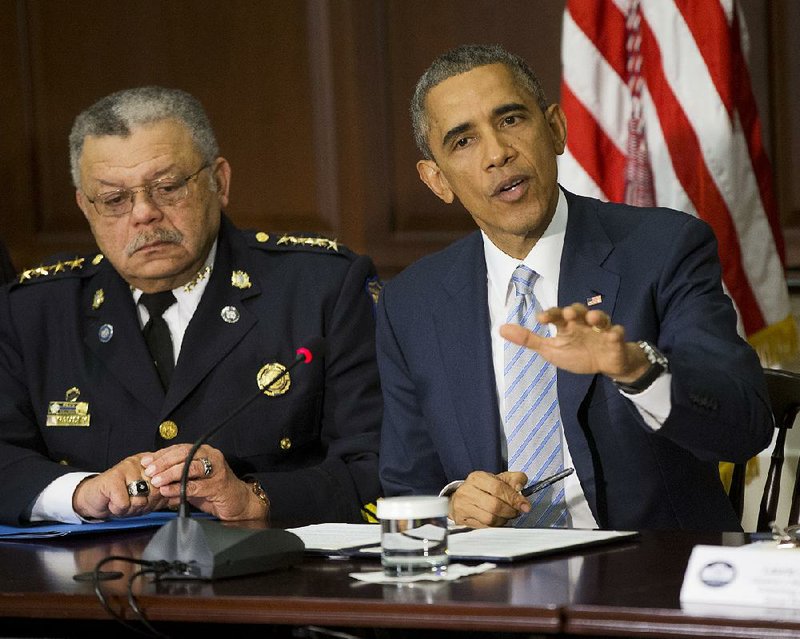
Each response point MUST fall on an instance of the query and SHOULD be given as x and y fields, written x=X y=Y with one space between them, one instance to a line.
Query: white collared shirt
x=187 y=298
x=545 y=258
x=54 y=503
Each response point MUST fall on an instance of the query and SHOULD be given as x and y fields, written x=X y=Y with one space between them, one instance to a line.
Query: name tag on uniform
x=69 y=412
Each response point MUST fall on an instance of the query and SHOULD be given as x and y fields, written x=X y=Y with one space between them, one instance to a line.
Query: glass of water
x=413 y=534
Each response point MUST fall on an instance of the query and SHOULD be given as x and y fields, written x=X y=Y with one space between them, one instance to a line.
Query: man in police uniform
x=95 y=421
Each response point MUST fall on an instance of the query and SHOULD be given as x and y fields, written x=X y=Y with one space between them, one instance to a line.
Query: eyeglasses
x=167 y=191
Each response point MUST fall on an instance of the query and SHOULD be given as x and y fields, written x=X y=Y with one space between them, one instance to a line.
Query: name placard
x=729 y=579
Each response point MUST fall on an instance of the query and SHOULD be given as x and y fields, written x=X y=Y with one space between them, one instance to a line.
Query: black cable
x=156 y=568
x=133 y=602
x=101 y=595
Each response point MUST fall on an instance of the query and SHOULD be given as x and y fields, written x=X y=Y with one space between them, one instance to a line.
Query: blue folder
x=50 y=530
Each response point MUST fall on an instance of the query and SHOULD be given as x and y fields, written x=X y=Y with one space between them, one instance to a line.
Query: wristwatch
x=259 y=492
x=659 y=365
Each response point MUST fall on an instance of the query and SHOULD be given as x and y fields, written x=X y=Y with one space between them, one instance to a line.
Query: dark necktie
x=156 y=333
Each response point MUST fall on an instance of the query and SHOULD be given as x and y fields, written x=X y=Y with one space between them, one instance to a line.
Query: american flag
x=660 y=111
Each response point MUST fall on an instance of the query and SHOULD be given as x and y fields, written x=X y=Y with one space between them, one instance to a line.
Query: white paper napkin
x=453 y=572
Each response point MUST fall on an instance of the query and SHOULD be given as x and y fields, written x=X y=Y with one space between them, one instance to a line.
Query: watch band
x=659 y=365
x=259 y=492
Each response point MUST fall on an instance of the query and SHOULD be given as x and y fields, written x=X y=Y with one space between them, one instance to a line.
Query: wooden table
x=628 y=589
x=635 y=593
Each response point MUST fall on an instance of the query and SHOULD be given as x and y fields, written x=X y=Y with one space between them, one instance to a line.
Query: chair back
x=784 y=396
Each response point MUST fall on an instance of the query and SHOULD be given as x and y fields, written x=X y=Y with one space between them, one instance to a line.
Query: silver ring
x=207 y=467
x=139 y=488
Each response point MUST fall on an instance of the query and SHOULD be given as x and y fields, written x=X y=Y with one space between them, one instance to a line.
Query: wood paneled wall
x=309 y=99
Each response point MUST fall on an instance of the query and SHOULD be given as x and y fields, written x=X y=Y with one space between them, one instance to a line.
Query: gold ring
x=597 y=329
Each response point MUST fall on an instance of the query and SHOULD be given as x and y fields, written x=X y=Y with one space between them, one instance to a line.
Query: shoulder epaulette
x=74 y=267
x=289 y=242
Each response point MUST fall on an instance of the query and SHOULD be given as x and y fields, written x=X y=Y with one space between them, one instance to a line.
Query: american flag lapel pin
x=593 y=301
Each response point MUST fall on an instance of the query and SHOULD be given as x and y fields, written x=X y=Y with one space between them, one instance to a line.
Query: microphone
x=208 y=549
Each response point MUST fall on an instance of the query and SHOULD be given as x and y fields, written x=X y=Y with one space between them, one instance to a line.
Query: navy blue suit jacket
x=658 y=273
x=314 y=448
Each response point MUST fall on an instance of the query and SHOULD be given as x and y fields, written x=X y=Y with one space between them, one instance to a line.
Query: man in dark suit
x=634 y=373
x=102 y=391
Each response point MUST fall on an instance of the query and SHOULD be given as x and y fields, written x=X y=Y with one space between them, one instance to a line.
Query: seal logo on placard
x=717 y=574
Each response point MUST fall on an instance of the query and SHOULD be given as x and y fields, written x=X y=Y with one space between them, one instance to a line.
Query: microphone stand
x=208 y=549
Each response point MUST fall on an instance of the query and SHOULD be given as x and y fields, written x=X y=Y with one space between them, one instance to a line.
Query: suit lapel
x=462 y=325
x=113 y=334
x=207 y=327
x=583 y=279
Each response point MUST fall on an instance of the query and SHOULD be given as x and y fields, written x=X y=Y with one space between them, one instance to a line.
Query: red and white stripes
x=660 y=111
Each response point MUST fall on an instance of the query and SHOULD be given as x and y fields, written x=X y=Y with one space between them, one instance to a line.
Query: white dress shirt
x=545 y=259
x=54 y=503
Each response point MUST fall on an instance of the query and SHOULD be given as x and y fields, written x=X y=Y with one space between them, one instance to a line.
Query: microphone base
x=212 y=550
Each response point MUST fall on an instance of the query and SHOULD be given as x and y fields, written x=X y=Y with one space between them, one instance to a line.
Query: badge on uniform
x=69 y=412
x=105 y=333
x=268 y=381
x=240 y=279
x=98 y=299
x=230 y=314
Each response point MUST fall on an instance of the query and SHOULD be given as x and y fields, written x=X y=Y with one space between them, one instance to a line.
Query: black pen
x=547 y=481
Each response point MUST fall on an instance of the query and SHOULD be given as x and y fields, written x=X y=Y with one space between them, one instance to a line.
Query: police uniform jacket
x=79 y=391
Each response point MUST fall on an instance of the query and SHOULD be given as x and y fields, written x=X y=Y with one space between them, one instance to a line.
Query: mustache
x=150 y=237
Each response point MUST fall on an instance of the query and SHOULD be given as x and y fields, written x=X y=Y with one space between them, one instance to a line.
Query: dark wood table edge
x=640 y=622
x=288 y=611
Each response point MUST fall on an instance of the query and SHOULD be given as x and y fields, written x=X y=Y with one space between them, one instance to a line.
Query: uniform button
x=262 y=237
x=64 y=462
x=168 y=429
x=286 y=443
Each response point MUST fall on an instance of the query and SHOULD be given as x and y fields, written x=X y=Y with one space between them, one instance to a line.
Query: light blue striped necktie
x=532 y=418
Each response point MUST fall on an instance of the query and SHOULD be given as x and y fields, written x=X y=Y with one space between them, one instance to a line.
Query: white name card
x=754 y=577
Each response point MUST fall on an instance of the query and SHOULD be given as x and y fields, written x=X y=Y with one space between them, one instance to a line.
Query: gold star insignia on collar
x=201 y=275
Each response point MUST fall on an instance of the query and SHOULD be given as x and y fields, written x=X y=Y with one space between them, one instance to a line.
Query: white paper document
x=453 y=573
x=507 y=544
x=335 y=537
x=485 y=544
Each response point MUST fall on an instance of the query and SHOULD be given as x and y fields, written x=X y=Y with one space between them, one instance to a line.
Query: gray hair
x=458 y=61
x=120 y=112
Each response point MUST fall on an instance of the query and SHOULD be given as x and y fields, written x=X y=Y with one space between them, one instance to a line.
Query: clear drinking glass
x=413 y=534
